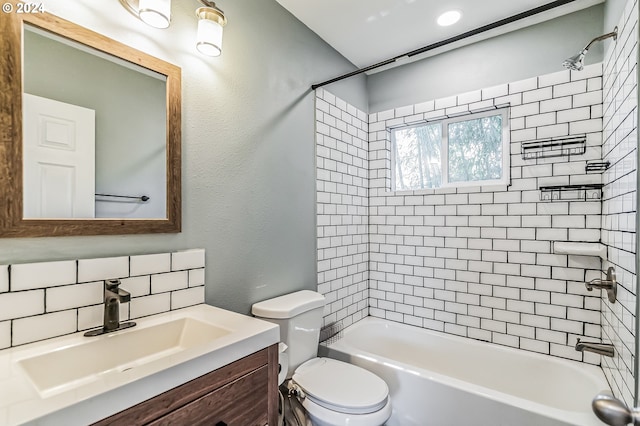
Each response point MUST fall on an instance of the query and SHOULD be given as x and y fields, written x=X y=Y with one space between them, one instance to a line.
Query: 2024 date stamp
x=23 y=7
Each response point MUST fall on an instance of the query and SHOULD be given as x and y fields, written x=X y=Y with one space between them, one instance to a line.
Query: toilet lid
x=341 y=387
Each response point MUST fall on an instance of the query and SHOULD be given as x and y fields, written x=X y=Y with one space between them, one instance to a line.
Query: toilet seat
x=341 y=387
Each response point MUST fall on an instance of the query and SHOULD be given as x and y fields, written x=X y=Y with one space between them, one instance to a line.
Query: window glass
x=452 y=152
x=475 y=149
x=417 y=154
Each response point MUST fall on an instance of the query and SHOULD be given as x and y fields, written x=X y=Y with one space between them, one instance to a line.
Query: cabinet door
x=243 y=402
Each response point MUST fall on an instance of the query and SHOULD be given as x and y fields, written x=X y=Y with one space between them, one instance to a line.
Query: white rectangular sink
x=72 y=366
x=89 y=378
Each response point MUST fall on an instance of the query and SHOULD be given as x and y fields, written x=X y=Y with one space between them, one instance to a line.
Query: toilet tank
x=299 y=316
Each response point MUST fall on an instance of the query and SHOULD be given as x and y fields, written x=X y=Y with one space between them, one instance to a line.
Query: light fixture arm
x=211 y=4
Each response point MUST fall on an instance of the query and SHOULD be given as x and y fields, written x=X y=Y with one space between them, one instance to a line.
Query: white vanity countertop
x=21 y=403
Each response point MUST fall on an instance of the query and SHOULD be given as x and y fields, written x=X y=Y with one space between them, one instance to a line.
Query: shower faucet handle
x=609 y=284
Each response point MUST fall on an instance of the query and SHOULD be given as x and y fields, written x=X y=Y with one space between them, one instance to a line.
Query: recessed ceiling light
x=449 y=18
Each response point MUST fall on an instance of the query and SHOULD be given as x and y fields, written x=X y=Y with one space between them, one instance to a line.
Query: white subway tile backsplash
x=40 y=327
x=161 y=283
x=188 y=259
x=137 y=286
x=4 y=278
x=188 y=297
x=91 y=317
x=103 y=268
x=21 y=304
x=39 y=275
x=34 y=308
x=150 y=264
x=74 y=296
x=5 y=334
x=150 y=305
x=196 y=277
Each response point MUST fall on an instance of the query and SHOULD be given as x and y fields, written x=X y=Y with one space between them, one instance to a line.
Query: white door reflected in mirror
x=59 y=159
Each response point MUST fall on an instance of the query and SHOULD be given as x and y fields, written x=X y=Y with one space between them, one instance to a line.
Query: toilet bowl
x=336 y=393
x=330 y=392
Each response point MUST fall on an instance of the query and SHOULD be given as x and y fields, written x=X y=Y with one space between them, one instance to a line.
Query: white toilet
x=331 y=392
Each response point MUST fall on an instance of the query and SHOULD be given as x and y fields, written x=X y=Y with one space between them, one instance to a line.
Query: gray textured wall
x=248 y=147
x=612 y=12
x=532 y=51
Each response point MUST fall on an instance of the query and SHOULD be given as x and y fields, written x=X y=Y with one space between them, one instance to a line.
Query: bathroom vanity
x=196 y=365
x=241 y=393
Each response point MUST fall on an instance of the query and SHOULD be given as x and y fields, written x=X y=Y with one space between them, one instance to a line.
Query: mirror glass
x=94 y=133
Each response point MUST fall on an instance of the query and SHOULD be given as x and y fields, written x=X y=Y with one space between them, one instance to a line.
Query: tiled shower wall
x=476 y=262
x=43 y=300
x=479 y=262
x=619 y=201
x=342 y=210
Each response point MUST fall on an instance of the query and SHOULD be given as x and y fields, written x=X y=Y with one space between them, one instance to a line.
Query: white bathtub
x=439 y=380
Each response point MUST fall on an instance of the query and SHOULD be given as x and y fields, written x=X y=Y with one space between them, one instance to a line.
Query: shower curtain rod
x=479 y=30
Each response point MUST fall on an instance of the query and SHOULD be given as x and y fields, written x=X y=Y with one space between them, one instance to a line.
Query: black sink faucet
x=113 y=296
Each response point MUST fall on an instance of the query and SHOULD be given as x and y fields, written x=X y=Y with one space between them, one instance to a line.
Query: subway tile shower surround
x=342 y=210
x=478 y=261
x=43 y=300
x=619 y=202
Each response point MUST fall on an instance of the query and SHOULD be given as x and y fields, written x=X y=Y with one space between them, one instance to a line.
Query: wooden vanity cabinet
x=243 y=393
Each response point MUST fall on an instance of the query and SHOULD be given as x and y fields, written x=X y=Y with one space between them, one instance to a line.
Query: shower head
x=576 y=62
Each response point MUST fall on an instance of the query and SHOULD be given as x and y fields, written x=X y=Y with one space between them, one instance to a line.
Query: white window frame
x=444 y=151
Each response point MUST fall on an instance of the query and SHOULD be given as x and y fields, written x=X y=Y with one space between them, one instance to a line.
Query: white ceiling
x=369 y=31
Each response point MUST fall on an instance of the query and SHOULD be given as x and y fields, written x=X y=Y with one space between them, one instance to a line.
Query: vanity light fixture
x=210 y=23
x=156 y=13
x=449 y=18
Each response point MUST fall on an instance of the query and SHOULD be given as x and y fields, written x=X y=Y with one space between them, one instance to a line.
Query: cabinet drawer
x=176 y=398
x=243 y=402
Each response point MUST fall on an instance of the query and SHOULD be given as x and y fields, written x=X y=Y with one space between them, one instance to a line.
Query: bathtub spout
x=598 y=348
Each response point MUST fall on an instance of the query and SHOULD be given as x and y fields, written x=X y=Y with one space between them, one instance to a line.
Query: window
x=470 y=150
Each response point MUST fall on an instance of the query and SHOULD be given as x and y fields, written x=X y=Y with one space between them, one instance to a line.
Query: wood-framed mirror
x=136 y=148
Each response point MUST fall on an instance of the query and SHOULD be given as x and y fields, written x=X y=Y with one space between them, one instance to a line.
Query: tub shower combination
x=436 y=379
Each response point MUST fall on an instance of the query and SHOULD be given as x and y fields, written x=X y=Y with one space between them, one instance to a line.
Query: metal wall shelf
x=554 y=147
x=592 y=192
x=597 y=166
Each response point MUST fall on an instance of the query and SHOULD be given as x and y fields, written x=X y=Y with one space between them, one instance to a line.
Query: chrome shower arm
x=576 y=62
x=613 y=34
